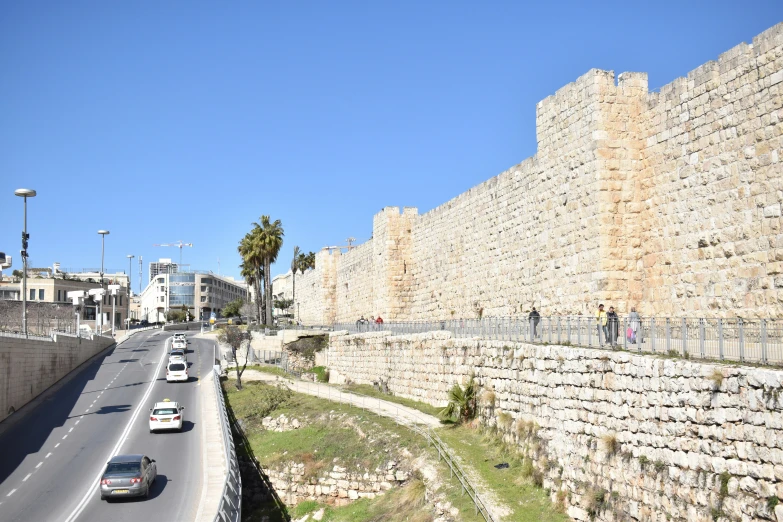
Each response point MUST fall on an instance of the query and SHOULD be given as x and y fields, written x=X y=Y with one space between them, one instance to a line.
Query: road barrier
x=230 y=507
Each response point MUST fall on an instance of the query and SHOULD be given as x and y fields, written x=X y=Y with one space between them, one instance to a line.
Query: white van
x=177 y=371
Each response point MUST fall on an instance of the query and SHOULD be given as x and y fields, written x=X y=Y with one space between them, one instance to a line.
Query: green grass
x=274 y=370
x=321 y=373
x=371 y=391
x=514 y=486
x=357 y=438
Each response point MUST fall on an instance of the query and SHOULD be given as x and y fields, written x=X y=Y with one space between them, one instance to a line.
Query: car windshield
x=123 y=467
x=165 y=411
x=177 y=367
x=176 y=352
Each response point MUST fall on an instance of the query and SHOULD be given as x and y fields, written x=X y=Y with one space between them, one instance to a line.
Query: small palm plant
x=462 y=402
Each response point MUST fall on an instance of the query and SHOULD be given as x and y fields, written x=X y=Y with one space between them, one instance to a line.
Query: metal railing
x=230 y=506
x=743 y=340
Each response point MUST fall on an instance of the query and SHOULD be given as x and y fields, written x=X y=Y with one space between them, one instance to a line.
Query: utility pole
x=130 y=269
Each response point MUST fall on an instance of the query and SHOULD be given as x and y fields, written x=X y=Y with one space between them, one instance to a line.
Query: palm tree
x=462 y=402
x=294 y=268
x=269 y=236
x=251 y=264
x=250 y=275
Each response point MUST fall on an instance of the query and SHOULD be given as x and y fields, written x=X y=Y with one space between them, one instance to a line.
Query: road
x=51 y=460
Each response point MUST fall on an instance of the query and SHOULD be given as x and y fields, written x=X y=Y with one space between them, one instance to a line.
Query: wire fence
x=757 y=341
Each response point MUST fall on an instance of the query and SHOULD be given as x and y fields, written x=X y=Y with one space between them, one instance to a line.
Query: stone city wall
x=30 y=366
x=652 y=438
x=669 y=200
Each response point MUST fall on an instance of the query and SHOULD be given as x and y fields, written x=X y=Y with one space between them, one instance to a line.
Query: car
x=127 y=476
x=177 y=355
x=180 y=337
x=144 y=322
x=180 y=345
x=177 y=371
x=166 y=415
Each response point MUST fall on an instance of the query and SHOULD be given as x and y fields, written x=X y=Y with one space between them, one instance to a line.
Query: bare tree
x=235 y=339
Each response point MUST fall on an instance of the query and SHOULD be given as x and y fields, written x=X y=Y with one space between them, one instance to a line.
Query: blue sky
x=187 y=121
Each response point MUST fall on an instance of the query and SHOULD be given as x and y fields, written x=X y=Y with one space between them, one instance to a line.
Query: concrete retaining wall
x=30 y=366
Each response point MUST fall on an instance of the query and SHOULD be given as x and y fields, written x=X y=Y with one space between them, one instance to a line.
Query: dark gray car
x=128 y=476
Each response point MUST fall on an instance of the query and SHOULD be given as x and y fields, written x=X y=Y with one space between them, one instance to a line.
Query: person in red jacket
x=379 y=320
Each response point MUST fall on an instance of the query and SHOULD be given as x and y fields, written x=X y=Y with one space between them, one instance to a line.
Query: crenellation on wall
x=668 y=201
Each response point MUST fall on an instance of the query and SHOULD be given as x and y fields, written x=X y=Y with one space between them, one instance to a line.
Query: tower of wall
x=669 y=201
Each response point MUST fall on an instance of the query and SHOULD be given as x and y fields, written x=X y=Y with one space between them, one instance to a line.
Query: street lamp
x=103 y=234
x=130 y=269
x=24 y=193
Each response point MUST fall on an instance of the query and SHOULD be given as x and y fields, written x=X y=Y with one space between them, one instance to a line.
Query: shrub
x=611 y=444
x=488 y=398
x=717 y=379
x=504 y=420
x=321 y=373
x=659 y=466
x=596 y=502
x=772 y=503
x=643 y=461
x=724 y=484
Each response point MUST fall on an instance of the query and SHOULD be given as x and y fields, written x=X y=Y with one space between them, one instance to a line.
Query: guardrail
x=230 y=507
x=742 y=340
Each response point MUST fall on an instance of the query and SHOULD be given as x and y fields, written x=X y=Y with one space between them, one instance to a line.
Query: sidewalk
x=399 y=413
x=212 y=453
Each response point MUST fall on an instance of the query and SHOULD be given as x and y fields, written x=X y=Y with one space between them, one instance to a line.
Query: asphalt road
x=51 y=460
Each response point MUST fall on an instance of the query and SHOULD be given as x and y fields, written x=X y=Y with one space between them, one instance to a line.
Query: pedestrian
x=600 y=319
x=534 y=317
x=634 y=322
x=379 y=320
x=613 y=325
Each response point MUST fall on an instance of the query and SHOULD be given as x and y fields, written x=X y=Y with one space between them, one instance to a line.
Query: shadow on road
x=28 y=435
x=116 y=387
x=118 y=408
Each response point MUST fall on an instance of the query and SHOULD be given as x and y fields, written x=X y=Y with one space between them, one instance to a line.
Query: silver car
x=128 y=476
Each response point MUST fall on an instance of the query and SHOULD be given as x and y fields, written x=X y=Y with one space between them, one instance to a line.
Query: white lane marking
x=88 y=409
x=27 y=477
x=47 y=456
x=65 y=436
x=39 y=465
x=69 y=431
x=55 y=446
x=11 y=492
x=90 y=490
x=77 y=422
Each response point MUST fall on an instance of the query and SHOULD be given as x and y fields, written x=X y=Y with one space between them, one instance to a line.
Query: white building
x=200 y=292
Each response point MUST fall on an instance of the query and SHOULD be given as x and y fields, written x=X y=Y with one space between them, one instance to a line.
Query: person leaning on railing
x=601 y=321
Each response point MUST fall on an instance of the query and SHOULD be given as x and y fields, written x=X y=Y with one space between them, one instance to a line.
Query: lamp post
x=24 y=193
x=130 y=270
x=103 y=234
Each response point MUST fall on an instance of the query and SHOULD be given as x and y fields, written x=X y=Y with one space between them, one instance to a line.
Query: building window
x=162 y=298
x=58 y=294
x=203 y=288
x=41 y=294
x=32 y=294
x=203 y=299
x=161 y=279
x=120 y=299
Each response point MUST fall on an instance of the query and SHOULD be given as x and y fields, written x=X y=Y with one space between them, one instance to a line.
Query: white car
x=177 y=371
x=166 y=415
x=178 y=355
x=178 y=344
